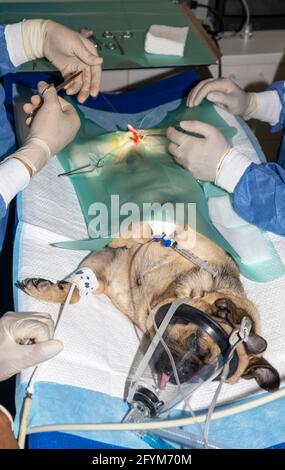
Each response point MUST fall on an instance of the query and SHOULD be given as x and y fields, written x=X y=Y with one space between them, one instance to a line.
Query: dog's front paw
x=43 y=289
x=34 y=286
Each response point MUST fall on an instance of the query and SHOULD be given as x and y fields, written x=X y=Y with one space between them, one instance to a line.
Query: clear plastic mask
x=188 y=350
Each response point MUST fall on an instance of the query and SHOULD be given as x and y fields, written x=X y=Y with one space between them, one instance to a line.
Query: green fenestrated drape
x=129 y=176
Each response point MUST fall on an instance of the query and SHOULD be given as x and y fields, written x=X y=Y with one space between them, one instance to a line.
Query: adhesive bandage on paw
x=85 y=280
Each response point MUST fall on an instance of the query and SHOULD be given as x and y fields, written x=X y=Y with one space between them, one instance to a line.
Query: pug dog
x=141 y=276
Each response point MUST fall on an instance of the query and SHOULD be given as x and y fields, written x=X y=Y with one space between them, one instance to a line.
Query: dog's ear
x=227 y=309
x=264 y=373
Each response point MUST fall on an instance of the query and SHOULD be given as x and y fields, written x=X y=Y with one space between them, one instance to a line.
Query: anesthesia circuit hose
x=160 y=424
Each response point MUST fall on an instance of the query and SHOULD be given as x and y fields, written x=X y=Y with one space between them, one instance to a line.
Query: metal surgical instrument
x=110 y=35
x=96 y=162
x=57 y=89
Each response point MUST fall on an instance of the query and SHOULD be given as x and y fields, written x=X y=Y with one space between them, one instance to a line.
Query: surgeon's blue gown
x=7 y=139
x=259 y=196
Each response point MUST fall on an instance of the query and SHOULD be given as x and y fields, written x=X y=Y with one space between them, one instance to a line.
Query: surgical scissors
x=57 y=89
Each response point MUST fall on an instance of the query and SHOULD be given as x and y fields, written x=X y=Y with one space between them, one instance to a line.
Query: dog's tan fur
x=137 y=274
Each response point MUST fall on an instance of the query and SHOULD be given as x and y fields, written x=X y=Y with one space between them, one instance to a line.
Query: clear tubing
x=161 y=424
x=185 y=438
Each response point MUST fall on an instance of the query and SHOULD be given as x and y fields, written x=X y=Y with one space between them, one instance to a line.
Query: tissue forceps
x=57 y=89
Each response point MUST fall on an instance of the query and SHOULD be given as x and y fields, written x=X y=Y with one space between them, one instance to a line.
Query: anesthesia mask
x=189 y=349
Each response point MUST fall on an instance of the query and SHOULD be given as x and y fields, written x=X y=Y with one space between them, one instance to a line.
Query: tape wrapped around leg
x=85 y=280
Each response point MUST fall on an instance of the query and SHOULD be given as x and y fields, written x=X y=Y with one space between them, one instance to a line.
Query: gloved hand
x=202 y=156
x=54 y=126
x=25 y=341
x=224 y=93
x=68 y=51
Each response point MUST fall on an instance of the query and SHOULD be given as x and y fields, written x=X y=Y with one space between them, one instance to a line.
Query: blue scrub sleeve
x=3 y=221
x=6 y=65
x=3 y=207
x=259 y=197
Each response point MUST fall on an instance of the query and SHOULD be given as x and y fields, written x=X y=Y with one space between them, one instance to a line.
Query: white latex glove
x=68 y=51
x=25 y=341
x=202 y=156
x=226 y=94
x=54 y=126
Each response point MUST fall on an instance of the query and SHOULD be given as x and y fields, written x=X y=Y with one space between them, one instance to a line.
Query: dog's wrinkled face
x=192 y=348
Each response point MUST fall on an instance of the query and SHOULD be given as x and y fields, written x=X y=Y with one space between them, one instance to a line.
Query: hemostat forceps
x=96 y=163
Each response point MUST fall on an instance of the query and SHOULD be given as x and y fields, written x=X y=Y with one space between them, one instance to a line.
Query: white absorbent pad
x=168 y=40
x=86 y=381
